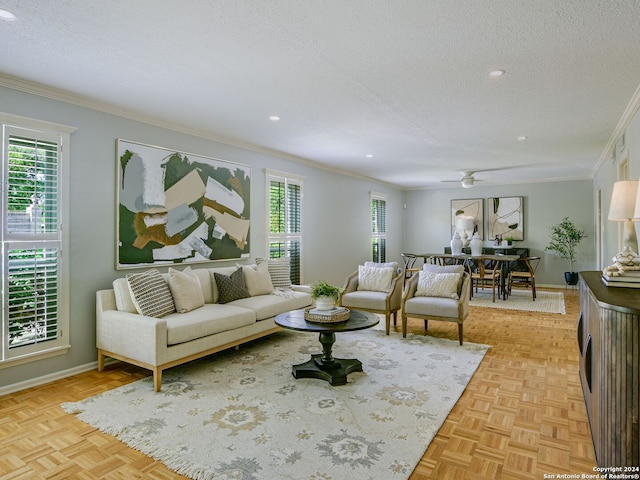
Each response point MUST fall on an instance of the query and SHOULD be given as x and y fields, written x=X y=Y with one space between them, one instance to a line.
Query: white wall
x=429 y=220
x=336 y=213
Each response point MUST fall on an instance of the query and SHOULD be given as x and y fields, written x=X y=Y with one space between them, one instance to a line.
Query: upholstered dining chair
x=376 y=288
x=437 y=293
x=525 y=277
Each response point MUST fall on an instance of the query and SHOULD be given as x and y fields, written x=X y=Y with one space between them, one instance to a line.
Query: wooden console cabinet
x=609 y=342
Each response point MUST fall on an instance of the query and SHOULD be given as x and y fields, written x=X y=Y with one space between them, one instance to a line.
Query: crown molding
x=625 y=120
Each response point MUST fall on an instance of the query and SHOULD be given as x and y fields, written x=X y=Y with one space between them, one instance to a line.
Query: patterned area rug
x=242 y=415
x=546 y=302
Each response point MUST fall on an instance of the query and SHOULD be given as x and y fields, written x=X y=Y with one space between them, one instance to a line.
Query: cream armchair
x=376 y=288
x=437 y=297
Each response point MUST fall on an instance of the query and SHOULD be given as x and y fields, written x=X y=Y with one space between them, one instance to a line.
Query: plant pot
x=325 y=303
x=571 y=278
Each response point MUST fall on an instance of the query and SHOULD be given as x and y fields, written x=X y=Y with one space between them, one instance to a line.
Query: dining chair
x=486 y=273
x=526 y=276
x=409 y=261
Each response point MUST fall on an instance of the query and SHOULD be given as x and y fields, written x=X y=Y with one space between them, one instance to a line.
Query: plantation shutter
x=378 y=229
x=285 y=196
x=31 y=240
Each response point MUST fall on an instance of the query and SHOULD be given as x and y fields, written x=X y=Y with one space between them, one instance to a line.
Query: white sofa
x=160 y=343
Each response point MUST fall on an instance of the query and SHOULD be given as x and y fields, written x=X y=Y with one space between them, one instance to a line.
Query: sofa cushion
x=185 y=290
x=431 y=284
x=231 y=287
x=267 y=306
x=257 y=279
x=124 y=302
x=279 y=270
x=365 y=300
x=374 y=279
x=151 y=294
x=436 y=306
x=207 y=320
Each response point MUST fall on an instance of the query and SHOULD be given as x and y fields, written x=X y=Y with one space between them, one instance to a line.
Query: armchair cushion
x=432 y=284
x=374 y=279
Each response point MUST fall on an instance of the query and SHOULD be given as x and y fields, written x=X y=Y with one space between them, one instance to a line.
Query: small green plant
x=565 y=237
x=509 y=240
x=323 y=289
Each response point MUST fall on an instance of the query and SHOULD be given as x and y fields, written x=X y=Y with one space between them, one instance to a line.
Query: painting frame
x=178 y=208
x=505 y=217
x=471 y=207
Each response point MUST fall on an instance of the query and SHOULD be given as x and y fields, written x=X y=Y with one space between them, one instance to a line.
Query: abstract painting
x=178 y=208
x=468 y=213
x=505 y=217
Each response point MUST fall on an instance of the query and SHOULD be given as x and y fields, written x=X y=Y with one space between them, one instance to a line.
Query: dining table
x=469 y=261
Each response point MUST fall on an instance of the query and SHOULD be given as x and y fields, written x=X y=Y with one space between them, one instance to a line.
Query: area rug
x=242 y=415
x=546 y=302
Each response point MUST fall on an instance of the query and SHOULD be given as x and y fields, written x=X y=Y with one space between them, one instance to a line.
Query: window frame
x=59 y=134
x=286 y=237
x=378 y=236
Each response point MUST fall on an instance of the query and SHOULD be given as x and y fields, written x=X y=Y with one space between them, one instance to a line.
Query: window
x=285 y=220
x=378 y=228
x=34 y=270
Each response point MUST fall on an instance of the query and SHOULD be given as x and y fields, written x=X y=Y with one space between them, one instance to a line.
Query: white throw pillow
x=431 y=284
x=124 y=302
x=257 y=279
x=185 y=290
x=374 y=279
x=151 y=294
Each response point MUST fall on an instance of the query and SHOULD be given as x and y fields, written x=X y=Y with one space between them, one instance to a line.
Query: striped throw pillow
x=151 y=294
x=279 y=270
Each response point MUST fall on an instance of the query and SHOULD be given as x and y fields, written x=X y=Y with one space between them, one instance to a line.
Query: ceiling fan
x=467 y=180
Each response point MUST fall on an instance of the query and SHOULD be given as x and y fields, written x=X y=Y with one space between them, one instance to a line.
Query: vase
x=325 y=303
x=456 y=244
x=476 y=245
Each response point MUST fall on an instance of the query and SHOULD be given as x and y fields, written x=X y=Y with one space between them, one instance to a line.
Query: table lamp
x=625 y=208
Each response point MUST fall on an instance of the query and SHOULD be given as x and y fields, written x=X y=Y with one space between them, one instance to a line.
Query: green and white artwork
x=175 y=207
x=505 y=217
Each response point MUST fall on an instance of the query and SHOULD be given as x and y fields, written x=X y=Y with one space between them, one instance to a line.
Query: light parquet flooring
x=522 y=415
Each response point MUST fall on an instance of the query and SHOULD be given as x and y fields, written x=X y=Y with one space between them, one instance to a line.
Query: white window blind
x=34 y=313
x=285 y=221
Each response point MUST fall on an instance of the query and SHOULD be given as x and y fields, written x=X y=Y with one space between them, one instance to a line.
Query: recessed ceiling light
x=6 y=15
x=522 y=138
x=369 y=155
x=274 y=118
x=496 y=73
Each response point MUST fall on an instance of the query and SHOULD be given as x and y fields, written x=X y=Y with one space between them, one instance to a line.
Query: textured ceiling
x=405 y=81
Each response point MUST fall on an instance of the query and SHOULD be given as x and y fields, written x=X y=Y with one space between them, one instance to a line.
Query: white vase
x=325 y=303
x=476 y=245
x=456 y=244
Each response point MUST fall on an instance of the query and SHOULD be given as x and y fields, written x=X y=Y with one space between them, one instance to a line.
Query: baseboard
x=52 y=377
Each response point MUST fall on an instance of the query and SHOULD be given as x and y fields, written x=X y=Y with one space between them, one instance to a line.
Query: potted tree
x=564 y=239
x=325 y=295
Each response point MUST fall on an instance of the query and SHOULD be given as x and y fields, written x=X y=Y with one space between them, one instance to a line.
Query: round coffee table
x=324 y=365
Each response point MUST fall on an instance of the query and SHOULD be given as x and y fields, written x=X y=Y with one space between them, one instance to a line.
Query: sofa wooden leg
x=460 y=332
x=157 y=379
x=100 y=360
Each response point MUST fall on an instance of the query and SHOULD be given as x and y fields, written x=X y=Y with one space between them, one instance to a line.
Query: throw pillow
x=257 y=279
x=185 y=289
x=374 y=279
x=151 y=294
x=279 y=270
x=124 y=302
x=427 y=267
x=431 y=284
x=231 y=287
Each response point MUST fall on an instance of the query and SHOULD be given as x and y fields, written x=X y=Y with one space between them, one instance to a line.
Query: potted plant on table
x=325 y=295
x=564 y=239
